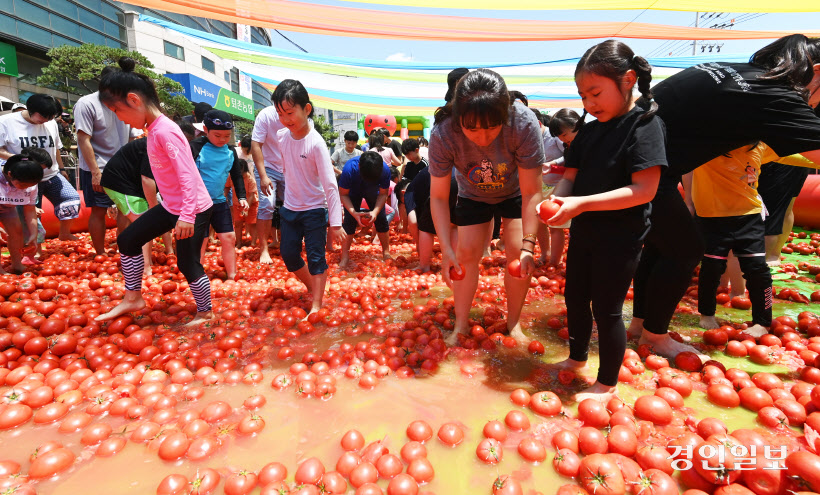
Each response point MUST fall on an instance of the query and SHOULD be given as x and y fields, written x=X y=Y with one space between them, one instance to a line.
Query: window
x=66 y=28
x=208 y=65
x=175 y=51
x=235 y=80
x=227 y=77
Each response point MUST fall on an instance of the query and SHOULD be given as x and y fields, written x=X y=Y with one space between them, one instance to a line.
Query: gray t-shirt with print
x=341 y=156
x=108 y=133
x=488 y=174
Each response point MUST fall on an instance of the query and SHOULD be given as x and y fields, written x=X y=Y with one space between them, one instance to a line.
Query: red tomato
x=600 y=475
x=520 y=397
x=365 y=472
x=421 y=470
x=688 y=361
x=272 y=472
x=805 y=466
x=457 y=274
x=532 y=449
x=592 y=441
x=545 y=403
x=593 y=413
x=622 y=440
x=536 y=348
x=352 y=440
x=173 y=446
x=52 y=462
x=653 y=408
x=389 y=466
x=547 y=209
x=517 y=420
x=402 y=484
x=250 y=425
x=310 y=471
x=506 y=485
x=420 y=431
x=723 y=395
x=565 y=439
x=566 y=463
x=450 y=434
x=656 y=482
x=173 y=484
x=240 y=483
x=654 y=457
x=495 y=429
x=412 y=450
x=490 y=451
x=754 y=398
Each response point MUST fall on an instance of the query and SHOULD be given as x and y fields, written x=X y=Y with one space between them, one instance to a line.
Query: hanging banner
x=197 y=90
x=245 y=85
x=243 y=32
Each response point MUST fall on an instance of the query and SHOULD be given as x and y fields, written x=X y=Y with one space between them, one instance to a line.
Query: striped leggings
x=152 y=224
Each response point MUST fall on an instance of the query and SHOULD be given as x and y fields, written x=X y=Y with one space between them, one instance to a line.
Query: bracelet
x=528 y=250
x=530 y=237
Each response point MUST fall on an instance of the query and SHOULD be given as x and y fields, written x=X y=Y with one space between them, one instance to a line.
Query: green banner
x=234 y=104
x=8 y=60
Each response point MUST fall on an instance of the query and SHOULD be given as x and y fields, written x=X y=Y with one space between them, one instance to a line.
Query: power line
x=290 y=41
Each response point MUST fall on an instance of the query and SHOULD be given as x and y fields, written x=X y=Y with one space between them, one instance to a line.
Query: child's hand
x=39 y=212
x=337 y=234
x=571 y=207
x=245 y=206
x=362 y=218
x=449 y=260
x=183 y=230
x=30 y=248
x=546 y=167
x=527 y=265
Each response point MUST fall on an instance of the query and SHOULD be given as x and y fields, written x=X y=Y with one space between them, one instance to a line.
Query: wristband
x=528 y=250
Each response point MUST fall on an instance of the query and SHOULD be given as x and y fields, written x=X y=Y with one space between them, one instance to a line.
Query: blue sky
x=439 y=51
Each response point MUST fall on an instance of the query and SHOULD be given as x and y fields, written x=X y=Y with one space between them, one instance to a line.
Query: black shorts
x=424 y=218
x=471 y=212
x=743 y=235
x=221 y=218
x=778 y=185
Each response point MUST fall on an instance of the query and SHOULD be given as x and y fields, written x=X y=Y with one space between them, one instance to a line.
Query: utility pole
x=695 y=42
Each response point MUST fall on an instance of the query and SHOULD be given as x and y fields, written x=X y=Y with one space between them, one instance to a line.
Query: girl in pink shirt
x=186 y=204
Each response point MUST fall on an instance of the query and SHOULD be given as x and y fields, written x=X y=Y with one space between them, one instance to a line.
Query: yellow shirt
x=727 y=185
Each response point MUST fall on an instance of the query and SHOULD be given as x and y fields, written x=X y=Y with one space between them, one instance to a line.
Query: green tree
x=325 y=129
x=81 y=66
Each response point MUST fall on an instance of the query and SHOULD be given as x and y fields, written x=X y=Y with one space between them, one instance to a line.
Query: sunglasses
x=227 y=124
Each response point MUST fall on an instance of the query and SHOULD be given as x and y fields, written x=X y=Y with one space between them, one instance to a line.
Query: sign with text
x=8 y=60
x=197 y=90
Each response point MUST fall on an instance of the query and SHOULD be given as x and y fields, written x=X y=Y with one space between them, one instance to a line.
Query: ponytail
x=480 y=100
x=790 y=60
x=643 y=70
x=115 y=86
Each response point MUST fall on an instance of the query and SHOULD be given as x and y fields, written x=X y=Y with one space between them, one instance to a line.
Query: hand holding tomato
x=570 y=207
x=450 y=267
x=547 y=209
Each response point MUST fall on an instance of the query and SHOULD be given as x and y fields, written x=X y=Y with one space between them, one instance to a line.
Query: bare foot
x=757 y=331
x=709 y=322
x=200 y=317
x=147 y=272
x=570 y=364
x=70 y=237
x=265 y=258
x=128 y=305
x=599 y=392
x=387 y=256
x=635 y=329
x=541 y=261
x=452 y=339
x=773 y=262
x=668 y=347
x=518 y=334
x=344 y=263
x=18 y=269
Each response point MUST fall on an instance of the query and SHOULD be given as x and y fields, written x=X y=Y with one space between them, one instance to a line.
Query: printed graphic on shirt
x=37 y=141
x=173 y=151
x=751 y=176
x=488 y=177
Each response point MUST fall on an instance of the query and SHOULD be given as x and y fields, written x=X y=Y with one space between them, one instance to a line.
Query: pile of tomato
x=134 y=381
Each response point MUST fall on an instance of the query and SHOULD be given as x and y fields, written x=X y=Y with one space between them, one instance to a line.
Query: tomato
x=593 y=413
x=805 y=466
x=506 y=485
x=421 y=470
x=767 y=381
x=419 y=431
x=547 y=209
x=536 y=348
x=520 y=397
x=347 y=462
x=173 y=446
x=653 y=408
x=545 y=403
x=252 y=424
x=565 y=439
x=96 y=433
x=365 y=472
x=592 y=441
x=688 y=361
x=671 y=396
x=772 y=417
x=412 y=450
x=14 y=415
x=514 y=267
x=216 y=411
x=630 y=470
x=402 y=484
x=600 y=475
x=793 y=410
x=495 y=429
x=754 y=398
x=352 y=440
x=310 y=471
x=51 y=463
x=715 y=336
x=173 y=484
x=457 y=274
x=711 y=426
x=764 y=481
x=389 y=466
x=110 y=446
x=240 y=483
x=654 y=457
x=450 y=434
x=532 y=449
x=490 y=451
x=723 y=395
x=656 y=482
x=717 y=469
x=205 y=482
x=272 y=472
x=517 y=420
x=622 y=440
x=566 y=463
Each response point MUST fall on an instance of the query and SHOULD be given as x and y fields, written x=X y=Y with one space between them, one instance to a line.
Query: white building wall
x=148 y=38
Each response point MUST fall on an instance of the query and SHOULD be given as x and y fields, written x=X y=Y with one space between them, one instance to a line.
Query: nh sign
x=8 y=60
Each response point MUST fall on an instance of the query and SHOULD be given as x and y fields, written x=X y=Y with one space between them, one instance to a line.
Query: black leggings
x=671 y=252
x=744 y=236
x=600 y=276
x=152 y=224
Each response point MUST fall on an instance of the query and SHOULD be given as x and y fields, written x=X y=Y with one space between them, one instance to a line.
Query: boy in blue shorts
x=364 y=177
x=215 y=160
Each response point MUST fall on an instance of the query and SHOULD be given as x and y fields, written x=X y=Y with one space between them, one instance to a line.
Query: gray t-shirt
x=108 y=133
x=488 y=174
x=341 y=156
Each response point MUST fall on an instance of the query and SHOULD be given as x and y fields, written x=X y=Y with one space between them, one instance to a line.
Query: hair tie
x=25 y=159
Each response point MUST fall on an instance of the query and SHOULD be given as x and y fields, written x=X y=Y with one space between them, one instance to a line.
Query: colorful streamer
x=678 y=5
x=363 y=23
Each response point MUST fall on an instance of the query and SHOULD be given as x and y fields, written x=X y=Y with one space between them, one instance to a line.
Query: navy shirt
x=351 y=179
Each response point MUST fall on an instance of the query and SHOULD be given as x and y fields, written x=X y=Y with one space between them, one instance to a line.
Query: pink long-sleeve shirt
x=180 y=185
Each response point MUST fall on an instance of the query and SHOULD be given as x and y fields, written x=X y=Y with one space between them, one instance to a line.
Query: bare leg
x=96 y=228
x=384 y=240
x=252 y=231
x=168 y=240
x=263 y=228
x=132 y=301
x=556 y=246
x=275 y=242
x=146 y=254
x=425 y=250
x=122 y=222
x=471 y=247
x=543 y=242
x=65 y=231
x=14 y=229
x=635 y=328
x=774 y=245
x=708 y=322
x=200 y=317
x=228 y=240
x=516 y=288
x=599 y=392
x=735 y=276
x=344 y=261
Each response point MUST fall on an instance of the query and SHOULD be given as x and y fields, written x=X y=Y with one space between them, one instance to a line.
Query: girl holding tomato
x=483 y=124
x=612 y=172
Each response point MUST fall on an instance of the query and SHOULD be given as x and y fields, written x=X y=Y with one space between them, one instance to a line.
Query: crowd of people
x=490 y=163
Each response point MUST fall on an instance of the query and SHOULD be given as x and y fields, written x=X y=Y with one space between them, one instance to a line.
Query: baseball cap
x=452 y=79
x=218 y=120
x=18 y=105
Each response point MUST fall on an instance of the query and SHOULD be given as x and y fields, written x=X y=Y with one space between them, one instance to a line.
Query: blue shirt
x=214 y=166
x=351 y=179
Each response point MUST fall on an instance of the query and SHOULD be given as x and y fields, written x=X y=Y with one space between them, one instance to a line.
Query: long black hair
x=790 y=60
x=28 y=166
x=613 y=59
x=481 y=100
x=115 y=86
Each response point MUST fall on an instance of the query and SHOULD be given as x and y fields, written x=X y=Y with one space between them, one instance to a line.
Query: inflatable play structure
x=807 y=205
x=406 y=126
x=52 y=225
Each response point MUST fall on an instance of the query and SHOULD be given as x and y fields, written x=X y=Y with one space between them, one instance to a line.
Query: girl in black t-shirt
x=771 y=99
x=612 y=172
